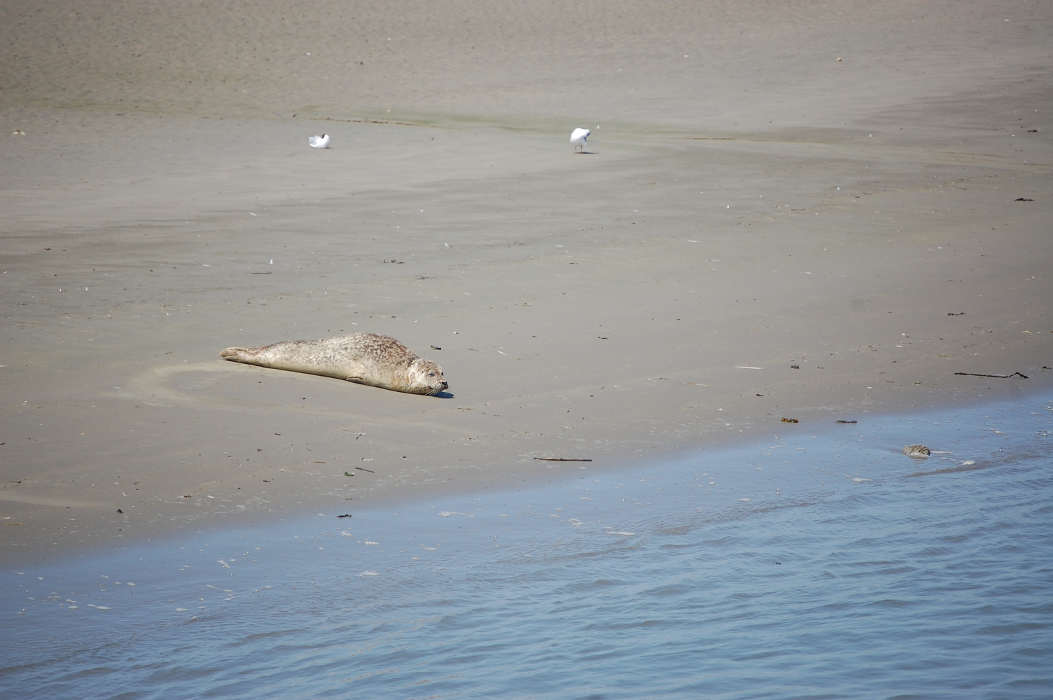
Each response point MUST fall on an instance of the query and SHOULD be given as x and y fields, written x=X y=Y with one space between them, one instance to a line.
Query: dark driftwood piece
x=562 y=459
x=993 y=376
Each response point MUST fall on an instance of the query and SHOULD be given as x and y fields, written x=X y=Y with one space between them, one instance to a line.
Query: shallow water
x=825 y=565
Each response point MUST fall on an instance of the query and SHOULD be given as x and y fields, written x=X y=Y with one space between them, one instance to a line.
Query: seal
x=363 y=358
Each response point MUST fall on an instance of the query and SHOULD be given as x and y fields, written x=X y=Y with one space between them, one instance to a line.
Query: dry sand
x=799 y=209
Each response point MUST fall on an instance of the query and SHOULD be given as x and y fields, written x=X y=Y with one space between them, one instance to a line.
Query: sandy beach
x=807 y=210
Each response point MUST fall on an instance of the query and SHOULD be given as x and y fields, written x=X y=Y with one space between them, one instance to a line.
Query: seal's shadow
x=444 y=395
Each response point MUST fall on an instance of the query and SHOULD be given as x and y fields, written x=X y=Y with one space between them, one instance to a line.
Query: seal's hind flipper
x=238 y=354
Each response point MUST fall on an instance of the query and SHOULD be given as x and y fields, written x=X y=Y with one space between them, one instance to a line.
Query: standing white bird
x=318 y=141
x=578 y=137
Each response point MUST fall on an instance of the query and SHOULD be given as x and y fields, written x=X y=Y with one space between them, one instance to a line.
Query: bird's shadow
x=585 y=153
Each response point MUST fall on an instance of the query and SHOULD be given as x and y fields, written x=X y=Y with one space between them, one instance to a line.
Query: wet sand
x=816 y=211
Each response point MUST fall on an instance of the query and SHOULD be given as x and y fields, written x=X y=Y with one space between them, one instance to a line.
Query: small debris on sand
x=992 y=376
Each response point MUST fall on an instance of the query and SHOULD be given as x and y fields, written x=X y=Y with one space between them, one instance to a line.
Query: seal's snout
x=444 y=386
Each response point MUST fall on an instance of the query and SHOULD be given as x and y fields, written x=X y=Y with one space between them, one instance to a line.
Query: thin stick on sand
x=992 y=376
x=562 y=459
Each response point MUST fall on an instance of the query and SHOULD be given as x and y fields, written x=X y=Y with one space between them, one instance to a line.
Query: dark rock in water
x=917 y=451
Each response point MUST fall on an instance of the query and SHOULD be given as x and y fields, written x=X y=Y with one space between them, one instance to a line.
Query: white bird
x=318 y=141
x=578 y=137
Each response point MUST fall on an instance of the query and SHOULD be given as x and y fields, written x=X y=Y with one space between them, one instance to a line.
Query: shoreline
x=104 y=536
x=252 y=526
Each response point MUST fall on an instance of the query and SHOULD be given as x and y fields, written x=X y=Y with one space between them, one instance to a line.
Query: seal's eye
x=431 y=374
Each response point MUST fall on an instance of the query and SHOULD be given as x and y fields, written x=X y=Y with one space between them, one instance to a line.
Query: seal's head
x=426 y=377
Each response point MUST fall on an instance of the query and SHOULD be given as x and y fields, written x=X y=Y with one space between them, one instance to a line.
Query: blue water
x=814 y=565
